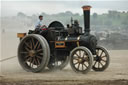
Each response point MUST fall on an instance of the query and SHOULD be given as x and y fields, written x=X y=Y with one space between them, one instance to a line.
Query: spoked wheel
x=81 y=59
x=58 y=64
x=33 y=53
x=101 y=59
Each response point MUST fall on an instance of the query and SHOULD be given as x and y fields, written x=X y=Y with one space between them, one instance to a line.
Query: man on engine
x=38 y=25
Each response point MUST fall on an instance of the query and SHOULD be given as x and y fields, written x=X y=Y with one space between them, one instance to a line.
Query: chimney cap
x=86 y=7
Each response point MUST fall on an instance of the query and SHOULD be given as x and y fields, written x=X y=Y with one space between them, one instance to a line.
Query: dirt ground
x=116 y=74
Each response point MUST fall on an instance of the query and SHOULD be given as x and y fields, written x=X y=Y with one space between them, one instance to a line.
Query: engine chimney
x=86 y=11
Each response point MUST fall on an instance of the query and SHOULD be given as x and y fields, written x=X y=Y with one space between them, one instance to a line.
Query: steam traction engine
x=55 y=46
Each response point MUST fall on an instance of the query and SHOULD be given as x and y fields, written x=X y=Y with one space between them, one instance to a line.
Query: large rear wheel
x=81 y=59
x=33 y=53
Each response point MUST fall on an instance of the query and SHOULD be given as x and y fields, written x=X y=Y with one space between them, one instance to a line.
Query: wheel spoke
x=85 y=65
x=30 y=62
x=95 y=63
x=38 y=62
x=33 y=62
x=76 y=58
x=101 y=64
x=97 y=52
x=98 y=65
x=28 y=59
x=30 y=45
x=77 y=55
x=41 y=53
x=86 y=59
x=26 y=56
x=39 y=57
x=32 y=42
x=103 y=56
x=101 y=53
x=39 y=50
x=83 y=55
x=27 y=45
x=82 y=67
x=27 y=49
x=36 y=45
x=103 y=60
x=78 y=65
x=24 y=52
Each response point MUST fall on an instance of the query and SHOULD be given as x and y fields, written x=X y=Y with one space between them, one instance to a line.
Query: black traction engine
x=54 y=46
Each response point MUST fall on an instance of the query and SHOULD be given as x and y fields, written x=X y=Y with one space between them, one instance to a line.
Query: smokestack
x=86 y=11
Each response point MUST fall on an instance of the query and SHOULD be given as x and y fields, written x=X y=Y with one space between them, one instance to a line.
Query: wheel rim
x=80 y=60
x=100 y=59
x=31 y=53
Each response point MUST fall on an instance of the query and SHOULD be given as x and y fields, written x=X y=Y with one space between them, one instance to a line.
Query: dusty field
x=116 y=74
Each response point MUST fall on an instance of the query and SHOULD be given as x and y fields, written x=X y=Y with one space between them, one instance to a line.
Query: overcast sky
x=29 y=7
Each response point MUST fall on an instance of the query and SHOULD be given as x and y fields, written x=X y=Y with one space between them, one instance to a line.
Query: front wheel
x=81 y=59
x=101 y=59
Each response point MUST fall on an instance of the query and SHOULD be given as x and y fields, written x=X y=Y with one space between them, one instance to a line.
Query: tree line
x=113 y=20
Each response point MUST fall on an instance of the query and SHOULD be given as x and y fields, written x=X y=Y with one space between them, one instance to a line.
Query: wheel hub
x=82 y=60
x=32 y=53
x=98 y=58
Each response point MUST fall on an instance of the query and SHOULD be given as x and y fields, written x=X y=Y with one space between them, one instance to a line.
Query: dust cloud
x=9 y=41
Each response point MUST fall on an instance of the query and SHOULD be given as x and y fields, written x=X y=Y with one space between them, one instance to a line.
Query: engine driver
x=38 y=25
